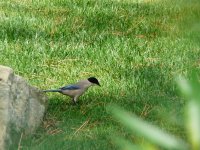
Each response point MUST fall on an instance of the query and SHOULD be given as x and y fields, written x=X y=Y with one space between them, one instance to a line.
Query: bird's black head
x=93 y=80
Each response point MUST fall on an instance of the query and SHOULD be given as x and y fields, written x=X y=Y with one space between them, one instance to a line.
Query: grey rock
x=22 y=108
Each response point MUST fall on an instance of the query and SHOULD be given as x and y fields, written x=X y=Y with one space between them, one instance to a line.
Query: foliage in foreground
x=156 y=136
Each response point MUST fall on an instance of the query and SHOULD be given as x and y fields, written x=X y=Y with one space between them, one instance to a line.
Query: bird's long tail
x=56 y=90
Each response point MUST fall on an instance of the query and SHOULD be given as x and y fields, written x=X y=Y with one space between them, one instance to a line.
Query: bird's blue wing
x=70 y=87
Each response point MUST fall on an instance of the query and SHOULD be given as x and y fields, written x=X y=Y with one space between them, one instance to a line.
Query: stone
x=22 y=108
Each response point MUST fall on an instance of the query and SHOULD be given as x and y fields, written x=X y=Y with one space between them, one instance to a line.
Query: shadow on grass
x=66 y=126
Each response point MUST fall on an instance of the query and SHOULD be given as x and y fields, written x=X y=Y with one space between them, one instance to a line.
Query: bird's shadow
x=63 y=103
x=59 y=103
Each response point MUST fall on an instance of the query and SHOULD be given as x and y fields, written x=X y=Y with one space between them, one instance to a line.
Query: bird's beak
x=98 y=84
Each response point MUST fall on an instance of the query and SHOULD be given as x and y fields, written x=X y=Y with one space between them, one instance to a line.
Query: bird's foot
x=74 y=103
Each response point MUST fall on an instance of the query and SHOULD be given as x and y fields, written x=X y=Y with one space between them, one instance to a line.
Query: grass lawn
x=135 y=49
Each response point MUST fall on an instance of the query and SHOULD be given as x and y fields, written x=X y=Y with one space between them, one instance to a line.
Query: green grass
x=134 y=49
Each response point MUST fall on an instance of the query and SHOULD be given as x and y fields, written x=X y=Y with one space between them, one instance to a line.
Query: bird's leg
x=73 y=101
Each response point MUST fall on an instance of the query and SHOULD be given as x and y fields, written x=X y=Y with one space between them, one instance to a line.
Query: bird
x=76 y=90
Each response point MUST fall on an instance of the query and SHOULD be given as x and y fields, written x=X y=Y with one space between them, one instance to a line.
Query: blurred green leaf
x=150 y=132
x=193 y=123
x=191 y=89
